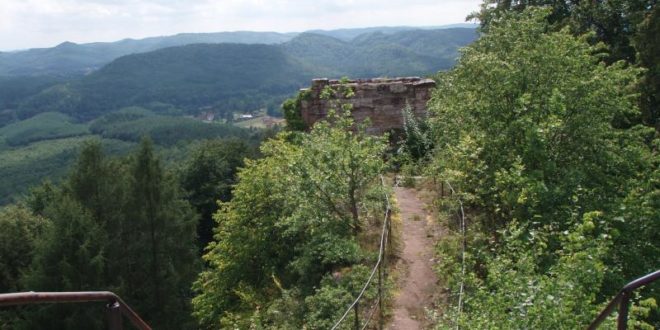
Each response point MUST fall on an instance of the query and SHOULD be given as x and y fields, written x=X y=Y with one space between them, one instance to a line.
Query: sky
x=46 y=23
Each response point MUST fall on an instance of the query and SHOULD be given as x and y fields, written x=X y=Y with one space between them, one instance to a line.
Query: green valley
x=159 y=93
x=514 y=184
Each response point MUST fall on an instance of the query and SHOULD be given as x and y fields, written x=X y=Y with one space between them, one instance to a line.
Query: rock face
x=381 y=100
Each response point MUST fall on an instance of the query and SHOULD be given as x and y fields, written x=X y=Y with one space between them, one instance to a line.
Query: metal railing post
x=385 y=232
x=114 y=316
x=357 y=316
x=622 y=319
x=116 y=308
x=622 y=300
x=380 y=296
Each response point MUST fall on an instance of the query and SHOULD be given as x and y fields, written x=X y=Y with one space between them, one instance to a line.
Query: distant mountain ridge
x=70 y=59
x=231 y=77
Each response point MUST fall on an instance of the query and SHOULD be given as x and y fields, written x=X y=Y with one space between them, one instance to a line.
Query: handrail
x=622 y=299
x=377 y=267
x=115 y=304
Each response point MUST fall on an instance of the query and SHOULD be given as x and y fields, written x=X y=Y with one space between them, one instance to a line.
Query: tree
x=71 y=256
x=20 y=231
x=525 y=118
x=292 y=111
x=208 y=177
x=294 y=217
x=627 y=27
x=136 y=233
x=159 y=235
x=647 y=44
x=417 y=143
x=525 y=128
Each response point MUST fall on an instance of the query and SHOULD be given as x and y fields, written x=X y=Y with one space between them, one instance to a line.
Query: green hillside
x=14 y=89
x=44 y=126
x=26 y=167
x=132 y=124
x=45 y=145
x=238 y=77
x=155 y=93
x=67 y=59
x=223 y=76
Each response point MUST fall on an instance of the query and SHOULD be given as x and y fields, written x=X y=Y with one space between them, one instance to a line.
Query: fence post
x=380 y=293
x=357 y=316
x=622 y=320
x=389 y=229
x=114 y=316
x=442 y=189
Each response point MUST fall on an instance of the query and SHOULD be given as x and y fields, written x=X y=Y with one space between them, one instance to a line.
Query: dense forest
x=156 y=86
x=236 y=77
x=546 y=128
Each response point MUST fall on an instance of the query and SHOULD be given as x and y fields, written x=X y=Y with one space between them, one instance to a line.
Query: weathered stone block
x=381 y=100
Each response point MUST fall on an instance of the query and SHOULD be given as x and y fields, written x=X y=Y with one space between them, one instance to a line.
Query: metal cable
x=462 y=287
x=371 y=314
x=380 y=258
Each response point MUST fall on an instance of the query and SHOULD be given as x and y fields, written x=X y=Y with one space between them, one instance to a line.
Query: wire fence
x=460 y=214
x=380 y=269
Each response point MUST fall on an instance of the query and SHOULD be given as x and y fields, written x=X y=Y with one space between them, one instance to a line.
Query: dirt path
x=417 y=281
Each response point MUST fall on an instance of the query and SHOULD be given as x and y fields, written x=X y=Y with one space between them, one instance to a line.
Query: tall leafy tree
x=524 y=127
x=625 y=26
x=294 y=217
x=526 y=119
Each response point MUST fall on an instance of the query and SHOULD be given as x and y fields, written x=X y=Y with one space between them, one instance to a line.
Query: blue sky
x=46 y=23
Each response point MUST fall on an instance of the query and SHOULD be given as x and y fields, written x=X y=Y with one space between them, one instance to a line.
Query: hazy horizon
x=287 y=32
x=26 y=24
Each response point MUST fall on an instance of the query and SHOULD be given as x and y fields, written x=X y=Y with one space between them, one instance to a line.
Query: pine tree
x=159 y=234
x=70 y=257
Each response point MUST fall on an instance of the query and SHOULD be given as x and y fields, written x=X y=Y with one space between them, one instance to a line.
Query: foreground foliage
x=296 y=218
x=114 y=224
x=528 y=127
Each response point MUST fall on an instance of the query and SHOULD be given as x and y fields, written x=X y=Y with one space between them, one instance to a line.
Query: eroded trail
x=417 y=283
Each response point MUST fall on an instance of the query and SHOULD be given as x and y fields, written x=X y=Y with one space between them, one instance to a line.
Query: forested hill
x=67 y=58
x=416 y=52
x=242 y=77
x=227 y=76
x=71 y=59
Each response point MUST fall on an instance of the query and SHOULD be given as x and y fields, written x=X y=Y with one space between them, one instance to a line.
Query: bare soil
x=418 y=284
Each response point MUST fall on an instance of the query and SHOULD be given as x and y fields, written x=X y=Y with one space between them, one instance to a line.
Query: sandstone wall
x=381 y=100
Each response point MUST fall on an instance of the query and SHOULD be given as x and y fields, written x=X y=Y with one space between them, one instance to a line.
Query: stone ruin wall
x=381 y=100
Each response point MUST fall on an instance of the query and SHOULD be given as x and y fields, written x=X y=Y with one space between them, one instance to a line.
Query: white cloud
x=45 y=23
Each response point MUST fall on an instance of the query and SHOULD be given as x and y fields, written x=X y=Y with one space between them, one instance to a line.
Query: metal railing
x=378 y=267
x=622 y=300
x=116 y=308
